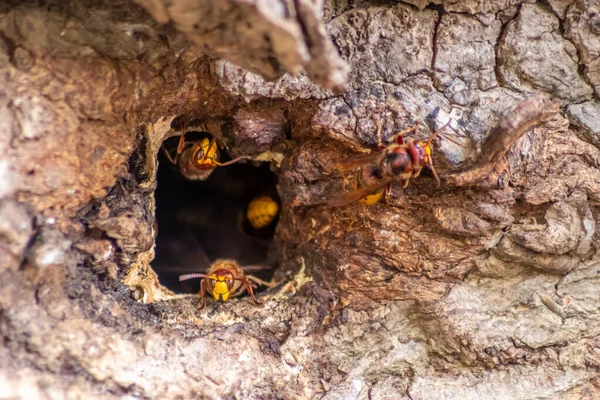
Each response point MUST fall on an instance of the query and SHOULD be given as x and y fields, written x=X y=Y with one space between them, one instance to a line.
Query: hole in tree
x=200 y=221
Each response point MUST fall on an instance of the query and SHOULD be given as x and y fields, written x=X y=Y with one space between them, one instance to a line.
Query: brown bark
x=484 y=288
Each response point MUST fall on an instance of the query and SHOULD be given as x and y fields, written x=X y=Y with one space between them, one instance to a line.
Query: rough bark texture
x=484 y=288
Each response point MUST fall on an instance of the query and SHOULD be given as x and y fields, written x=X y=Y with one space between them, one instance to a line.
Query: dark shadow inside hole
x=202 y=221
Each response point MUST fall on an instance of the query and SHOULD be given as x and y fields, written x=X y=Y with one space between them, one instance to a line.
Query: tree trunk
x=486 y=287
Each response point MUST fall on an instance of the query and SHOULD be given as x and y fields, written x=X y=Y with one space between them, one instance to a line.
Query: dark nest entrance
x=202 y=221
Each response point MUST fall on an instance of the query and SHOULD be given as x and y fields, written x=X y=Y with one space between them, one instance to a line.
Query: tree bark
x=486 y=287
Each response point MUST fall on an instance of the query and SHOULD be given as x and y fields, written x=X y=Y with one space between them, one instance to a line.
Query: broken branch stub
x=527 y=115
x=269 y=37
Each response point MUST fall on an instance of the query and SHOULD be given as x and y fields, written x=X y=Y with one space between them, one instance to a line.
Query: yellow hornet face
x=222 y=286
x=427 y=149
x=205 y=154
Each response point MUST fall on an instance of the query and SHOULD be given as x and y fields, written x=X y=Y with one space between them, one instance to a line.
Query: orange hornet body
x=378 y=170
x=226 y=279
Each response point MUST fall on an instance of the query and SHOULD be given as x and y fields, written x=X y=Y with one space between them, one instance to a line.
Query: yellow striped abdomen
x=262 y=211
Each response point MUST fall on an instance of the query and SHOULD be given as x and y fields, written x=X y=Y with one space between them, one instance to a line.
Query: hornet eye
x=199 y=154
